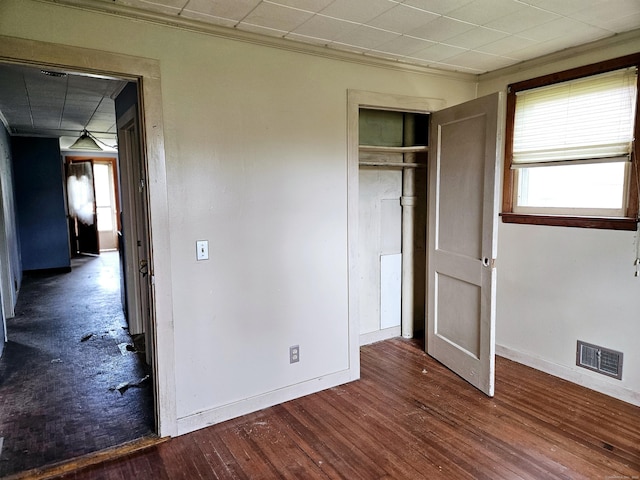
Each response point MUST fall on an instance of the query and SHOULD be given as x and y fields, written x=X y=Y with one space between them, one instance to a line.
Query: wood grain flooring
x=409 y=418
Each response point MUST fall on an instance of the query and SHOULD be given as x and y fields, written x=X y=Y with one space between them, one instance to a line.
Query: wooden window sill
x=607 y=223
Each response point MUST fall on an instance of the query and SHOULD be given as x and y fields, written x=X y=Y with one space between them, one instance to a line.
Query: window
x=570 y=156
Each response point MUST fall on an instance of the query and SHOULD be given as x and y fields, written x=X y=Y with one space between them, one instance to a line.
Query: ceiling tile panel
x=438 y=52
x=621 y=24
x=366 y=37
x=404 y=45
x=359 y=11
x=441 y=29
x=603 y=11
x=277 y=17
x=177 y=4
x=535 y=50
x=476 y=37
x=230 y=10
x=308 y=5
x=402 y=19
x=521 y=20
x=441 y=7
x=210 y=19
x=480 y=61
x=166 y=7
x=323 y=27
x=506 y=45
x=566 y=30
x=564 y=7
x=481 y=12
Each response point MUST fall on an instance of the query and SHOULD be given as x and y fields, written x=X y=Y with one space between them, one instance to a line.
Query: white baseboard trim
x=379 y=335
x=215 y=415
x=585 y=379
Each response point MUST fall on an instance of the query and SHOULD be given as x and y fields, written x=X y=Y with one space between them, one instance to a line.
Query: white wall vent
x=599 y=359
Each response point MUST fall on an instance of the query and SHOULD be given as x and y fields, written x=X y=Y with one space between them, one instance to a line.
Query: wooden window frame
x=627 y=222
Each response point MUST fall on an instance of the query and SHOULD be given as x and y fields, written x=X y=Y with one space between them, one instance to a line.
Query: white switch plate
x=202 y=249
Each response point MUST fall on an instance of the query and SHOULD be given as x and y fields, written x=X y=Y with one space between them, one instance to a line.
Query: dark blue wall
x=126 y=99
x=40 y=206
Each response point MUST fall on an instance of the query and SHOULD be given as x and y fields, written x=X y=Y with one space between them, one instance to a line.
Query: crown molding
x=123 y=11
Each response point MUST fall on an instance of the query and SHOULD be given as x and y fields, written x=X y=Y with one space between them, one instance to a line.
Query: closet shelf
x=380 y=149
x=391 y=164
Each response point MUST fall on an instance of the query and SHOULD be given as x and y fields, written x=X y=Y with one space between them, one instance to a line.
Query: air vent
x=50 y=73
x=599 y=359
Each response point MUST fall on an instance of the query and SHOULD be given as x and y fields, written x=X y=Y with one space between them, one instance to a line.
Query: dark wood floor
x=410 y=418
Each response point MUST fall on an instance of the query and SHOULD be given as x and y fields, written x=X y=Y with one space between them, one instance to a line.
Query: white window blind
x=579 y=121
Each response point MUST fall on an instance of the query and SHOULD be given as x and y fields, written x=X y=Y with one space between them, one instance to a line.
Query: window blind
x=580 y=121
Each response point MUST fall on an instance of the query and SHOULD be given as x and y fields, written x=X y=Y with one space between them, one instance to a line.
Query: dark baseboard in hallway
x=61 y=368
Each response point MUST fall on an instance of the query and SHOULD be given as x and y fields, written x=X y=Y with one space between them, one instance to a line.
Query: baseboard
x=47 y=271
x=379 y=335
x=585 y=379
x=227 y=412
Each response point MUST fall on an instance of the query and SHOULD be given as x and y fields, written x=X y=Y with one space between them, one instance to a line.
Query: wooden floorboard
x=407 y=418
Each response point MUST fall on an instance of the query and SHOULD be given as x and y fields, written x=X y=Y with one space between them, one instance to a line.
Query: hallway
x=63 y=372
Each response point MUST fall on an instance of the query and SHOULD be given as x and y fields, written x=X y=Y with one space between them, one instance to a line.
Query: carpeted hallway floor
x=67 y=354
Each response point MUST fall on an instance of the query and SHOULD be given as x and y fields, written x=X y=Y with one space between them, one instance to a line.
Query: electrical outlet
x=294 y=354
x=202 y=250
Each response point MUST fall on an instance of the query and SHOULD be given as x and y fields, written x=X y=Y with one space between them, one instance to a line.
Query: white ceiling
x=56 y=104
x=472 y=36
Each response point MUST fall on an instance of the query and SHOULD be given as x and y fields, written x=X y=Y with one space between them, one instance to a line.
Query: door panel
x=463 y=166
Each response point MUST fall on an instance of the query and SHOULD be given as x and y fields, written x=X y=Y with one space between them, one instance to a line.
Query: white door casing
x=465 y=154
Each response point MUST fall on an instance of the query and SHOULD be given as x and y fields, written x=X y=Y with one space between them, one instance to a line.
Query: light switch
x=202 y=250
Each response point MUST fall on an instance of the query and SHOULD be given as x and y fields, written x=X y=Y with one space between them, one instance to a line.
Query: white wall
x=559 y=285
x=256 y=155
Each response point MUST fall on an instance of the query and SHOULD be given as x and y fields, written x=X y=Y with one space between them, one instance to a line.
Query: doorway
x=461 y=223
x=147 y=75
x=392 y=159
x=92 y=184
x=74 y=59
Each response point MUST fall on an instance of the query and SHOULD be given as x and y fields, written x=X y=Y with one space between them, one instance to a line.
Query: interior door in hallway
x=137 y=265
x=83 y=222
x=463 y=166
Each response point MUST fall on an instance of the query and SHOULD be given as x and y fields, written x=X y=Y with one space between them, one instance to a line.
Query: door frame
x=146 y=72
x=357 y=99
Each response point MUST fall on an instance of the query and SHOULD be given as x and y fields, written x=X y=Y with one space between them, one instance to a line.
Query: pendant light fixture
x=85 y=142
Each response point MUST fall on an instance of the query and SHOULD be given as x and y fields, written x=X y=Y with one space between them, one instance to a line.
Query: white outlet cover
x=202 y=250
